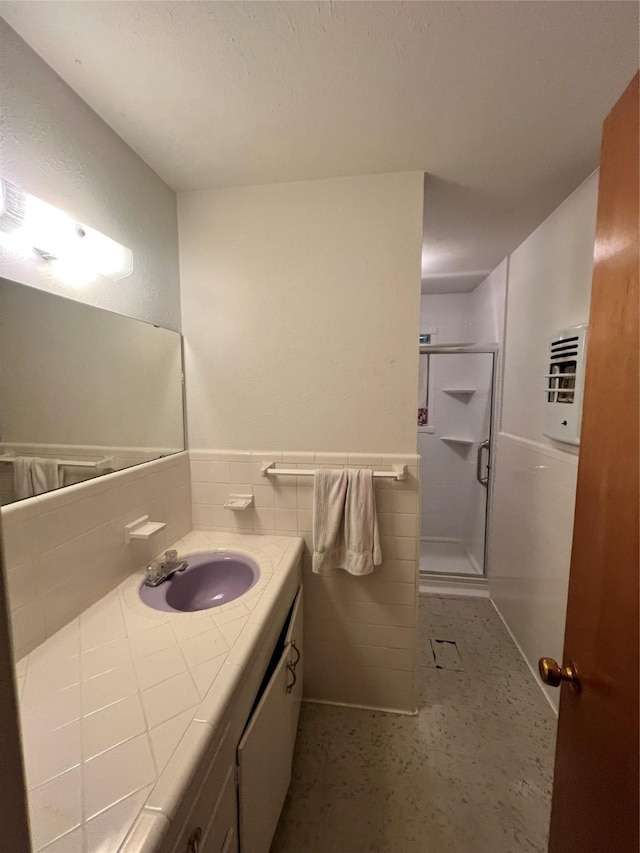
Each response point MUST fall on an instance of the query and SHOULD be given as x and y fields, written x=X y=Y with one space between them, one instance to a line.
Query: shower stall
x=455 y=443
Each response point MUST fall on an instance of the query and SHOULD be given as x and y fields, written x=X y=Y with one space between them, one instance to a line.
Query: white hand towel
x=22 y=477
x=33 y=476
x=362 y=542
x=345 y=527
x=329 y=494
x=45 y=475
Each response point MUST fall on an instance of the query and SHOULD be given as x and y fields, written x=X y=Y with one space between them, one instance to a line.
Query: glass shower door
x=455 y=449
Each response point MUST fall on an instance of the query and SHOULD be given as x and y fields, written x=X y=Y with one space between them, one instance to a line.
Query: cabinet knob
x=193 y=844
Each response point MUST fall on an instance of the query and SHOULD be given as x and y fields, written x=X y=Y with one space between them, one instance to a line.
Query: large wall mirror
x=83 y=392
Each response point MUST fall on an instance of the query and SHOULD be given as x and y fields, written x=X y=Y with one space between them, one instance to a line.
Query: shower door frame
x=487 y=349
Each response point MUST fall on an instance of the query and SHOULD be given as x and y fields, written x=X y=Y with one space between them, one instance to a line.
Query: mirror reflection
x=83 y=392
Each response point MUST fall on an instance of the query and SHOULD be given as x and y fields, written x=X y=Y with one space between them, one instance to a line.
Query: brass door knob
x=553 y=674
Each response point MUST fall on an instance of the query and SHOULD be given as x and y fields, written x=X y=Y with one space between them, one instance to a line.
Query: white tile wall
x=530 y=535
x=65 y=549
x=360 y=633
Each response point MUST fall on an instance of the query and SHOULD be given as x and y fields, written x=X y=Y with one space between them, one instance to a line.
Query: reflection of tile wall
x=118 y=458
x=360 y=633
x=65 y=549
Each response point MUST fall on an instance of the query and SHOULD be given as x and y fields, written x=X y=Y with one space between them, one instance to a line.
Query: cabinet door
x=264 y=763
x=265 y=753
x=213 y=820
x=293 y=642
x=220 y=834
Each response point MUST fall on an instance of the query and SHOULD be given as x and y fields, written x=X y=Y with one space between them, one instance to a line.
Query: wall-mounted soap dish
x=237 y=502
x=142 y=528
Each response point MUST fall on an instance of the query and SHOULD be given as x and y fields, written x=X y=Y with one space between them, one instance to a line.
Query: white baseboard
x=524 y=657
x=360 y=707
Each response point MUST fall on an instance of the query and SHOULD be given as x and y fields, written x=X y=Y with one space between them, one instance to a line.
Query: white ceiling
x=500 y=103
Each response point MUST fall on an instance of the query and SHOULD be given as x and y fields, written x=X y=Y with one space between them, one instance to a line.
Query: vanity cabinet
x=265 y=752
x=238 y=799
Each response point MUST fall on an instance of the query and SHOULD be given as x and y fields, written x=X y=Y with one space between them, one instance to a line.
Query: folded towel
x=33 y=476
x=345 y=527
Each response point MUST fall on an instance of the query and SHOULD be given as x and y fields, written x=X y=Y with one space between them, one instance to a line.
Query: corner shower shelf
x=468 y=391
x=456 y=440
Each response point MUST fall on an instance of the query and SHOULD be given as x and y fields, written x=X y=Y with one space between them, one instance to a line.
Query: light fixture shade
x=28 y=224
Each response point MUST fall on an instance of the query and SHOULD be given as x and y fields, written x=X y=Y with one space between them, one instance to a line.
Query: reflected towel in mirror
x=33 y=476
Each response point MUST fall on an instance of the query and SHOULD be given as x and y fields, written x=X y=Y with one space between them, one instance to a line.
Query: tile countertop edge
x=154 y=819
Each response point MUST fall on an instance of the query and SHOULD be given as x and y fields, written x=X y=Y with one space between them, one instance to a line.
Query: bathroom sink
x=210 y=580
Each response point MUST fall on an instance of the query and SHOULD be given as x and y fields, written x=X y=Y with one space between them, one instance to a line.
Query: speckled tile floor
x=470 y=774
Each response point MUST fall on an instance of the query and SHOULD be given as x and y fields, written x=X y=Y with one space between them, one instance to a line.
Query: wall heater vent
x=564 y=384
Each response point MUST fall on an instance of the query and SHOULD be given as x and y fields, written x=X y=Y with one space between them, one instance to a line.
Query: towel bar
x=69 y=463
x=268 y=470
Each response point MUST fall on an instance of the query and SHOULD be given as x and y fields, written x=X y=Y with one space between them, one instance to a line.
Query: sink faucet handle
x=171 y=556
x=153 y=571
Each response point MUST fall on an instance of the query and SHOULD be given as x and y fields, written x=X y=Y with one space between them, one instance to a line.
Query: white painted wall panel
x=447 y=317
x=488 y=306
x=300 y=306
x=534 y=482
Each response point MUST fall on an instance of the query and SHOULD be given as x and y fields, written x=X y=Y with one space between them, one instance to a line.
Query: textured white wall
x=447 y=317
x=473 y=317
x=300 y=308
x=488 y=305
x=535 y=483
x=55 y=147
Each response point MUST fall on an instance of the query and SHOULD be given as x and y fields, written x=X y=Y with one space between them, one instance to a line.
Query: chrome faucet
x=159 y=572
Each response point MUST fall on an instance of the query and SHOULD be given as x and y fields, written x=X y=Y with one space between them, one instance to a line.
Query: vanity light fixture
x=77 y=254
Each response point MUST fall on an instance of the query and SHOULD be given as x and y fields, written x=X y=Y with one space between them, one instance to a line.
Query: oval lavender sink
x=210 y=580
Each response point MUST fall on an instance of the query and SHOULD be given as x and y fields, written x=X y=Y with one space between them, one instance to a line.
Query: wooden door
x=595 y=792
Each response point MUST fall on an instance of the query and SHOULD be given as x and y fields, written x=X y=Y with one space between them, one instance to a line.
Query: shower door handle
x=484 y=445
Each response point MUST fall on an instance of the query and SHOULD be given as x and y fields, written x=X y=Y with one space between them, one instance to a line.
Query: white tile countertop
x=106 y=700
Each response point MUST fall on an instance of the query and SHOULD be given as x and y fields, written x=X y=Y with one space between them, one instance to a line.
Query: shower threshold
x=446 y=557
